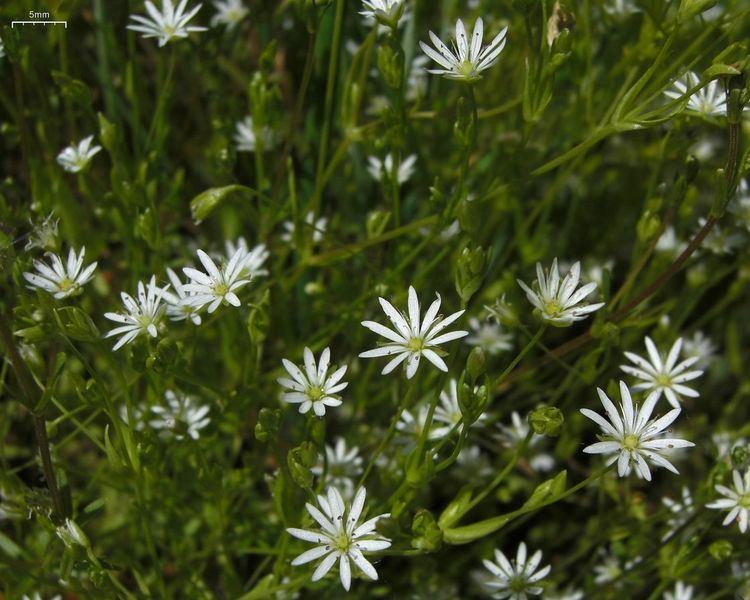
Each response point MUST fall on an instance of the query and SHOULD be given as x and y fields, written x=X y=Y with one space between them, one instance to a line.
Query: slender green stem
x=405 y=399
x=21 y=111
x=519 y=357
x=333 y=66
x=161 y=101
x=32 y=395
x=475 y=531
x=498 y=479
x=299 y=106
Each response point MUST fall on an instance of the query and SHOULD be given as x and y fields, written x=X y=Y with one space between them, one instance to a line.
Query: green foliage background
x=574 y=153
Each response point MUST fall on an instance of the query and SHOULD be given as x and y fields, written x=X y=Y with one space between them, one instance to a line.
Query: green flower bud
x=607 y=331
x=472 y=401
x=648 y=226
x=692 y=167
x=476 y=364
x=300 y=461
x=419 y=469
x=268 y=424
x=391 y=62
x=72 y=535
x=427 y=534
x=470 y=272
x=740 y=456
x=546 y=420
x=721 y=550
x=472 y=214
x=455 y=510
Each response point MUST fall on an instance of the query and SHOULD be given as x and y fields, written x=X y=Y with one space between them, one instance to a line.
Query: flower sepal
x=427 y=534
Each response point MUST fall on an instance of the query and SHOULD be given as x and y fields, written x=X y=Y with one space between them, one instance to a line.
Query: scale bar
x=12 y=23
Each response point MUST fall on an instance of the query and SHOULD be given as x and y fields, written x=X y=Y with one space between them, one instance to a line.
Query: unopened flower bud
x=391 y=62
x=470 y=272
x=472 y=402
x=476 y=364
x=72 y=535
x=420 y=467
x=427 y=534
x=268 y=424
x=300 y=461
x=546 y=420
x=721 y=550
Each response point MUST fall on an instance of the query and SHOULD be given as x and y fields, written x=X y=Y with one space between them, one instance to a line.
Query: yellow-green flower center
x=315 y=393
x=663 y=380
x=66 y=284
x=415 y=344
x=342 y=542
x=467 y=69
x=744 y=501
x=552 y=307
x=221 y=289
x=630 y=441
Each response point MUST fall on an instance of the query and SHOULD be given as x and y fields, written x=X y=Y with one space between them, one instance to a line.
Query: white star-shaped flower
x=75 y=158
x=181 y=416
x=630 y=437
x=342 y=465
x=621 y=7
x=556 y=301
x=489 y=336
x=514 y=579
x=411 y=427
x=468 y=59
x=680 y=592
x=143 y=314
x=700 y=346
x=383 y=11
x=513 y=435
x=314 y=387
x=737 y=500
x=663 y=375
x=340 y=538
x=169 y=24
x=179 y=307
x=253 y=260
x=318 y=227
x=383 y=169
x=709 y=101
x=681 y=510
x=61 y=279
x=413 y=337
x=216 y=285
x=229 y=13
x=247 y=138
x=448 y=412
